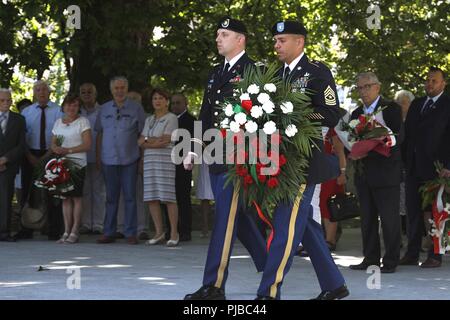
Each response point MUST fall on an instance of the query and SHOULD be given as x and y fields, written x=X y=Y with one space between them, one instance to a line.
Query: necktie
x=225 y=69
x=3 y=123
x=42 y=143
x=287 y=71
x=427 y=107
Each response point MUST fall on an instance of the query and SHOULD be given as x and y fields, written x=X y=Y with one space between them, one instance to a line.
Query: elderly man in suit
x=12 y=144
x=427 y=130
x=378 y=183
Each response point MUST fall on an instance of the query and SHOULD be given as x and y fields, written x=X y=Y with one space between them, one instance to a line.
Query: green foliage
x=118 y=37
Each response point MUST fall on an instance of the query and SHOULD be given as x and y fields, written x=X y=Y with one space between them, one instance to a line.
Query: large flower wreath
x=263 y=103
x=57 y=174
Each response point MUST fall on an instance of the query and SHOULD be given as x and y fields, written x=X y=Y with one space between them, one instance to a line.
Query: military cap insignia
x=280 y=26
x=225 y=23
x=330 y=96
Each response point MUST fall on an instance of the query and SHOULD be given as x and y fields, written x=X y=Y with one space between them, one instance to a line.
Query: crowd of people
x=125 y=156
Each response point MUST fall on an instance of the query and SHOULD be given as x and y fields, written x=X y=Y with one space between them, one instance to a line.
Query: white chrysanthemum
x=240 y=118
x=229 y=110
x=270 y=87
x=269 y=127
x=253 y=89
x=353 y=123
x=234 y=126
x=287 y=107
x=256 y=112
x=251 y=126
x=263 y=98
x=268 y=106
x=224 y=123
x=244 y=96
x=291 y=130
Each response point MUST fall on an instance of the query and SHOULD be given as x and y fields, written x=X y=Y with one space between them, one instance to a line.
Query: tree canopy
x=172 y=43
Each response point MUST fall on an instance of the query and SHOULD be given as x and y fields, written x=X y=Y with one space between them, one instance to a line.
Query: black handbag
x=343 y=206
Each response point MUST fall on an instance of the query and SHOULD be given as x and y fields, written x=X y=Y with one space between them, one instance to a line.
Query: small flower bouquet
x=57 y=174
x=365 y=134
x=436 y=193
x=272 y=166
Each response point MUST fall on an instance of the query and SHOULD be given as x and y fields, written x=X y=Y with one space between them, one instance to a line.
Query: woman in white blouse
x=76 y=133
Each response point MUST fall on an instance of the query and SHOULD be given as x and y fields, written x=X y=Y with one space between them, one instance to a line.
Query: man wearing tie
x=12 y=143
x=427 y=129
x=230 y=221
x=40 y=118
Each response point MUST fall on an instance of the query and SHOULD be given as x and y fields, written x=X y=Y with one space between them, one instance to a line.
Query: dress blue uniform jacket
x=316 y=80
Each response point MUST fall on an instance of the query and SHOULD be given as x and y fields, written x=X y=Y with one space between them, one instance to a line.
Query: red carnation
x=248 y=180
x=262 y=178
x=272 y=182
x=241 y=171
x=282 y=160
x=247 y=105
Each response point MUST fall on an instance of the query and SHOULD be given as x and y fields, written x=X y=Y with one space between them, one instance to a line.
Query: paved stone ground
x=121 y=271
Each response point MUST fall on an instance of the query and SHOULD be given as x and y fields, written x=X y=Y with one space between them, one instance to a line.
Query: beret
x=288 y=27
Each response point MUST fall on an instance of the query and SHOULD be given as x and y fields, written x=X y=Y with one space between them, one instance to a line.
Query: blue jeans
x=120 y=178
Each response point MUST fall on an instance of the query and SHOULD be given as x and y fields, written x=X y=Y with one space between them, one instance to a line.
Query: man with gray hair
x=40 y=118
x=378 y=183
x=404 y=99
x=118 y=126
x=12 y=145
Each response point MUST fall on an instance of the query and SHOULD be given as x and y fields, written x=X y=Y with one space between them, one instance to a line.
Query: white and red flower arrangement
x=276 y=119
x=365 y=134
x=436 y=193
x=57 y=174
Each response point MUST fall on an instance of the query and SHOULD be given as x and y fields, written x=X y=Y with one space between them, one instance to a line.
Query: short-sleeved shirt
x=162 y=126
x=72 y=137
x=32 y=116
x=120 y=129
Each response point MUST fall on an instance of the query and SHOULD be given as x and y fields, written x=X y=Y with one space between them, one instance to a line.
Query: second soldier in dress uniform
x=230 y=220
x=293 y=223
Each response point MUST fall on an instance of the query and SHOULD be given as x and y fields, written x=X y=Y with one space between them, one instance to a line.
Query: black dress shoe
x=431 y=263
x=8 y=239
x=408 y=261
x=185 y=237
x=387 y=269
x=336 y=294
x=24 y=234
x=363 y=265
x=207 y=293
x=264 y=298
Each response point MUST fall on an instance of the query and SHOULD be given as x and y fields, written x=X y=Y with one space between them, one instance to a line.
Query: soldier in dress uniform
x=293 y=222
x=230 y=219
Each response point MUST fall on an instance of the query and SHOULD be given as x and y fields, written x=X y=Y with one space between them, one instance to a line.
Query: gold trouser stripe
x=228 y=236
x=288 y=249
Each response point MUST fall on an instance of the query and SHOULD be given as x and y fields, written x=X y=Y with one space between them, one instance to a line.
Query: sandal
x=63 y=238
x=73 y=238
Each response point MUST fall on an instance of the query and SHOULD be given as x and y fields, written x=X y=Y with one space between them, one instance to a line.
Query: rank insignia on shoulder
x=330 y=96
x=314 y=63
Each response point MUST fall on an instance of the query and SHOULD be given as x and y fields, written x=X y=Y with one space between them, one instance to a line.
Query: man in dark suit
x=378 y=182
x=230 y=221
x=183 y=178
x=427 y=140
x=12 y=144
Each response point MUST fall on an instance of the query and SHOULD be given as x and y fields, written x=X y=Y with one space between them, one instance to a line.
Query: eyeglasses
x=365 y=87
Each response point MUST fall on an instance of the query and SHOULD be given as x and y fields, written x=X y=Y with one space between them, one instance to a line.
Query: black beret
x=288 y=27
x=232 y=24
